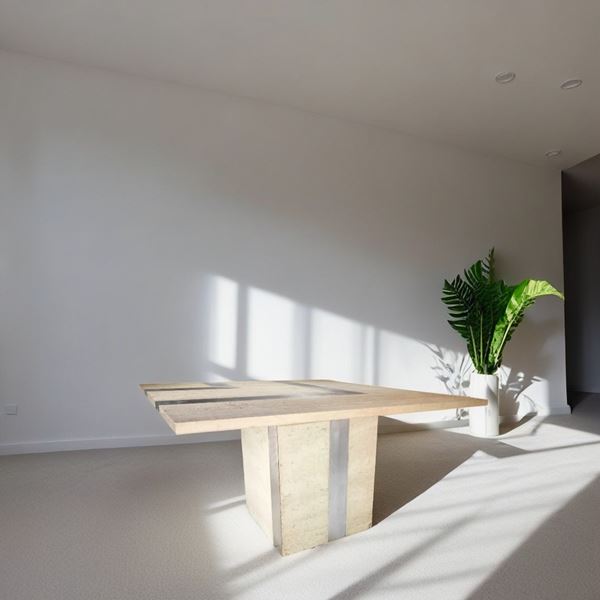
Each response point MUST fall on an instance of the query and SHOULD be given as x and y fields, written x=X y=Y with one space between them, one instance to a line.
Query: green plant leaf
x=473 y=307
x=521 y=298
x=489 y=265
x=485 y=311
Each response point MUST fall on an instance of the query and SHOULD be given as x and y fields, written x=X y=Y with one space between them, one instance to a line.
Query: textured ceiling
x=420 y=67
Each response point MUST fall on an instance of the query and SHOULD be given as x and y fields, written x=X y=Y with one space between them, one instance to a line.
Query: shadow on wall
x=453 y=369
x=252 y=333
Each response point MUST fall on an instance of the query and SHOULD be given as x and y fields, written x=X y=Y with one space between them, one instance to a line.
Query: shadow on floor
x=429 y=455
x=426 y=458
x=582 y=401
x=546 y=565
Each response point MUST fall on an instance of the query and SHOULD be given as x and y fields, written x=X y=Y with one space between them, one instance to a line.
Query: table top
x=204 y=407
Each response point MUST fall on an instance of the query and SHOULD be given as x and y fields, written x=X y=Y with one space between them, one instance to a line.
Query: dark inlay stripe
x=212 y=386
x=209 y=400
x=158 y=403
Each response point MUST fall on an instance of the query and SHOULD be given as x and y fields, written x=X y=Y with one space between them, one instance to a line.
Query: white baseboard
x=403 y=426
x=114 y=442
x=556 y=411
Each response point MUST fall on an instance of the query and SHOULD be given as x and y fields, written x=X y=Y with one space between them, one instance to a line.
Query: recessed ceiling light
x=570 y=84
x=553 y=153
x=505 y=77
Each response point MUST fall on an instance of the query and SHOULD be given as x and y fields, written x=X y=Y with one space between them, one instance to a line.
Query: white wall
x=151 y=232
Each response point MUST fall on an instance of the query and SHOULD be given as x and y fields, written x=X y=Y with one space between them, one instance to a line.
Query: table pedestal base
x=311 y=483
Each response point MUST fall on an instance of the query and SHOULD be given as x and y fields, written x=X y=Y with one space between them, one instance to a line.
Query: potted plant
x=486 y=311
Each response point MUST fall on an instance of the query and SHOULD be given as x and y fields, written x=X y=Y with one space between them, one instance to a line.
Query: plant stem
x=481 y=338
x=474 y=356
x=501 y=346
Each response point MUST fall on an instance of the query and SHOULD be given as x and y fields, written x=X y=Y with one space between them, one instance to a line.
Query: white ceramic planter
x=484 y=420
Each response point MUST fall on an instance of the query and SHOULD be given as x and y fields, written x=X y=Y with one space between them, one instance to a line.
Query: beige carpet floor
x=457 y=518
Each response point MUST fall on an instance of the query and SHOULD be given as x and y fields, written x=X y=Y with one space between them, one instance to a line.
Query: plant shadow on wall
x=454 y=369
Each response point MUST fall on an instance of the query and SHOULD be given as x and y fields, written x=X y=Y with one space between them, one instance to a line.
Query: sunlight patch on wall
x=271 y=320
x=337 y=347
x=222 y=347
x=369 y=356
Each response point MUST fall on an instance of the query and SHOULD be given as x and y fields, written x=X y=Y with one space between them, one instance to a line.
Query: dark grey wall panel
x=581 y=232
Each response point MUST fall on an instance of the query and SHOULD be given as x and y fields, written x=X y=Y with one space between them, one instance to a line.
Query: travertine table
x=308 y=447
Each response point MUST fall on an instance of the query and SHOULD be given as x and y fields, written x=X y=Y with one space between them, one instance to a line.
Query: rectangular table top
x=205 y=407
